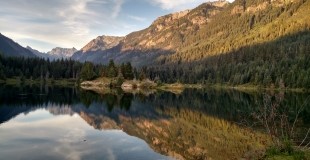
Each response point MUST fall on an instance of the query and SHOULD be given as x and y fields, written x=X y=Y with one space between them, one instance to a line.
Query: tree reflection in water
x=197 y=124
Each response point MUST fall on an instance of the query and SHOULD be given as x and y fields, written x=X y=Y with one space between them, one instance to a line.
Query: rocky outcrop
x=193 y=35
x=102 y=43
x=164 y=36
x=253 y=8
x=56 y=53
x=62 y=52
x=97 y=50
x=103 y=86
x=127 y=85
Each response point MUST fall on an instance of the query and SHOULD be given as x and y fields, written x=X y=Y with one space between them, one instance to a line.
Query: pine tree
x=87 y=72
x=112 y=69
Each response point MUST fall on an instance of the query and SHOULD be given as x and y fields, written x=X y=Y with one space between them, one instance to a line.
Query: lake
x=71 y=123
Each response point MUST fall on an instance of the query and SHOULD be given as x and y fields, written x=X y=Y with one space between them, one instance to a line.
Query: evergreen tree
x=87 y=72
x=127 y=71
x=112 y=69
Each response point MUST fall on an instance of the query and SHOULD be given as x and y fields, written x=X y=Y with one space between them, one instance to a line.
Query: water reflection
x=196 y=124
x=40 y=135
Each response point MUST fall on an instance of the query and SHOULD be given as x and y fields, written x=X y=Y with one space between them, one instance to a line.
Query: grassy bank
x=133 y=86
x=178 y=88
x=244 y=87
x=293 y=153
x=18 y=81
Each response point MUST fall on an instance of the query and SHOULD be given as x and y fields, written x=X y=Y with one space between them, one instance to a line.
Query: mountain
x=163 y=37
x=56 y=53
x=12 y=49
x=210 y=29
x=59 y=53
x=94 y=48
x=102 y=43
x=260 y=42
x=38 y=53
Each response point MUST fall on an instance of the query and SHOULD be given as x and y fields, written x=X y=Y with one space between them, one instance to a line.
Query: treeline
x=267 y=48
x=229 y=31
x=281 y=63
x=38 y=68
x=90 y=71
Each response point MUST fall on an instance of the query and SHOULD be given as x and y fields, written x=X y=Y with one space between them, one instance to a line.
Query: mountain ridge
x=99 y=44
x=55 y=53
x=62 y=52
x=161 y=38
x=10 y=48
x=211 y=25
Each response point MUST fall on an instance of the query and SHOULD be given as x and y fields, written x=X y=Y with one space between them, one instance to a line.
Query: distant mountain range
x=12 y=49
x=62 y=52
x=213 y=28
x=55 y=53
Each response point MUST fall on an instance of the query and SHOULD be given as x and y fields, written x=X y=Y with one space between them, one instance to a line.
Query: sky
x=46 y=24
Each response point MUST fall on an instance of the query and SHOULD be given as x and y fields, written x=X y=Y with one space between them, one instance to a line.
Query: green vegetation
x=194 y=135
x=285 y=152
x=289 y=138
x=38 y=69
x=87 y=71
x=17 y=81
x=18 y=70
x=267 y=48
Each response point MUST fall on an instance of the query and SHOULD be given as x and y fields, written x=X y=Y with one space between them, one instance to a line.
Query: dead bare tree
x=275 y=119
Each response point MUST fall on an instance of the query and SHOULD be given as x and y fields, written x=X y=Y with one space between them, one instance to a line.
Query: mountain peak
x=62 y=52
x=219 y=3
x=102 y=43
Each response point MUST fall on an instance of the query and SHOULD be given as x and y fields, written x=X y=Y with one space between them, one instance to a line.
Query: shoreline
x=178 y=88
x=173 y=87
x=28 y=82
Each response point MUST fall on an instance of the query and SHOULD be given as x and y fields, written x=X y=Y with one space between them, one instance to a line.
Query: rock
x=102 y=43
x=62 y=52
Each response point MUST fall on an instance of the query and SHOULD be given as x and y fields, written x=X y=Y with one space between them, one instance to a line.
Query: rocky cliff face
x=62 y=52
x=211 y=29
x=54 y=54
x=102 y=43
x=169 y=32
x=95 y=48
x=165 y=35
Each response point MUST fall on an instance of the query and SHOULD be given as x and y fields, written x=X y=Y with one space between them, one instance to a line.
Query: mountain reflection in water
x=197 y=124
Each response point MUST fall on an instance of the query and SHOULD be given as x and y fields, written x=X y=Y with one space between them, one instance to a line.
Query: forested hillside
x=258 y=42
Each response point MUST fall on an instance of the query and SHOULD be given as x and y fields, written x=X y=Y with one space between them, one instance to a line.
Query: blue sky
x=45 y=24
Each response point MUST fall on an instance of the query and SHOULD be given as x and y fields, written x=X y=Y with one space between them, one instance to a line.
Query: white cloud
x=45 y=24
x=177 y=4
x=117 y=8
x=66 y=23
x=137 y=18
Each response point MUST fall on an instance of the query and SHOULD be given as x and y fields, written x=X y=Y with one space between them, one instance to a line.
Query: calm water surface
x=69 y=123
